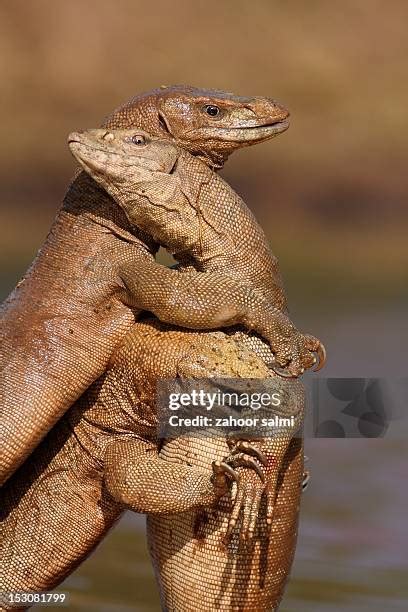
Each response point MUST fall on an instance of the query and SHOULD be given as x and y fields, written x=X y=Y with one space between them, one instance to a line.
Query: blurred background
x=330 y=194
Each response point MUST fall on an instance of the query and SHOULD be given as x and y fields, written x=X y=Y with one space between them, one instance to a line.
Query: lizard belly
x=196 y=571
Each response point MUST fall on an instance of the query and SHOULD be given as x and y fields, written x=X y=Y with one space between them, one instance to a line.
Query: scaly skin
x=102 y=457
x=228 y=273
x=62 y=322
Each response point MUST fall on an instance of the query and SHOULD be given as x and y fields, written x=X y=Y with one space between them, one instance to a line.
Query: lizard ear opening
x=163 y=124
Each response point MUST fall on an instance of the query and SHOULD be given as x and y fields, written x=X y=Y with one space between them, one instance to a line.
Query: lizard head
x=140 y=172
x=209 y=124
x=122 y=157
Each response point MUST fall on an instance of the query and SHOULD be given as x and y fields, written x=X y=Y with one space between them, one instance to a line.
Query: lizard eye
x=212 y=110
x=139 y=139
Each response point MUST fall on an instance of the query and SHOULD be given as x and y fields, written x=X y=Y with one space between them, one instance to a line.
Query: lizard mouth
x=253 y=133
x=84 y=153
x=250 y=133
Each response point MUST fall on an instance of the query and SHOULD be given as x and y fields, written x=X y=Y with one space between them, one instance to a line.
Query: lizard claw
x=272 y=365
x=321 y=353
x=306 y=480
x=242 y=460
x=220 y=467
x=221 y=472
x=306 y=475
x=249 y=449
x=282 y=372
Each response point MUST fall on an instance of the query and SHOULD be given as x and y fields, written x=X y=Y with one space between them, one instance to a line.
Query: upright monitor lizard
x=64 y=319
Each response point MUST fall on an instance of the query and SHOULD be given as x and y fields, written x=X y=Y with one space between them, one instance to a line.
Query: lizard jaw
x=250 y=134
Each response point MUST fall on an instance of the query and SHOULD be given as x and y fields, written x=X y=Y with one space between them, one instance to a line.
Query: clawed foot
x=300 y=353
x=243 y=467
x=249 y=486
x=222 y=476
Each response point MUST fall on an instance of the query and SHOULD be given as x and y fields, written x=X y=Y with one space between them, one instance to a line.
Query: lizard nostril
x=108 y=136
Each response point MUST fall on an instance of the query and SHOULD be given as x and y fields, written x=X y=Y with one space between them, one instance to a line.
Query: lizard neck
x=91 y=204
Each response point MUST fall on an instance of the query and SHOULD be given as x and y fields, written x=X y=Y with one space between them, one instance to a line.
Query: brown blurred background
x=330 y=193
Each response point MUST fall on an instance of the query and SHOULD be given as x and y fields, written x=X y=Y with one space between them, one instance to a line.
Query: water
x=353 y=540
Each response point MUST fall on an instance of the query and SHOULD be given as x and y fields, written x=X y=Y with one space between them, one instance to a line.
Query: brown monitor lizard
x=62 y=322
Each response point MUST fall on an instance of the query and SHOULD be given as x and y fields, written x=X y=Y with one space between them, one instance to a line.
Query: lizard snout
x=75 y=136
